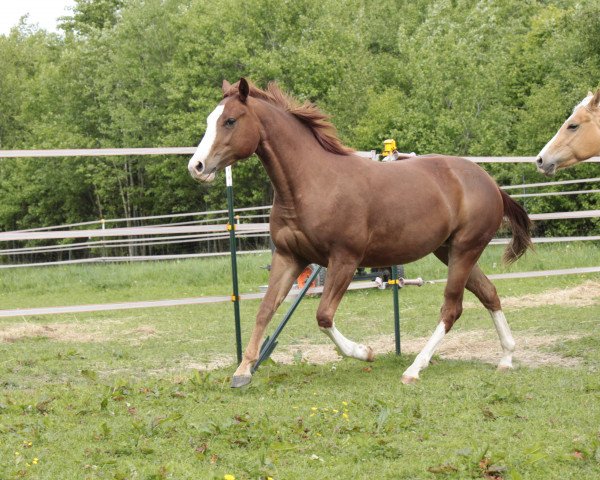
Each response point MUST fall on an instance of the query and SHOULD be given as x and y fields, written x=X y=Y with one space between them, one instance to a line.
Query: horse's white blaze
x=423 y=358
x=506 y=338
x=547 y=146
x=208 y=139
x=347 y=347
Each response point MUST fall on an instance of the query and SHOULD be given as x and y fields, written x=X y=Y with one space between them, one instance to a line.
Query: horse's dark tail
x=520 y=224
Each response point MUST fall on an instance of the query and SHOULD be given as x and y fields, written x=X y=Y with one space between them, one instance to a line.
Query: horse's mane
x=308 y=113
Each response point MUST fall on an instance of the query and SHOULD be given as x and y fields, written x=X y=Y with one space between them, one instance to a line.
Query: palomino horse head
x=232 y=133
x=577 y=139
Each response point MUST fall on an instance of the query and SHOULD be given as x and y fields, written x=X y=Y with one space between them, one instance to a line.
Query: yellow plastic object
x=389 y=146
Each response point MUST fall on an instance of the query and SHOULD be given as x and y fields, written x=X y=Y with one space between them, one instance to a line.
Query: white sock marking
x=208 y=139
x=347 y=347
x=424 y=357
x=506 y=338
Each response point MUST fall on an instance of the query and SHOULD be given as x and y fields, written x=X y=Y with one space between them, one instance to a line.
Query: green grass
x=115 y=395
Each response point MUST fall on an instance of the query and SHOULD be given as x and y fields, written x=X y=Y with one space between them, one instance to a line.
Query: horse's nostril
x=199 y=167
x=539 y=161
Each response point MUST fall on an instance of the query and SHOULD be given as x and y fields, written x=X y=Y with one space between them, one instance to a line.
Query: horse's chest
x=289 y=238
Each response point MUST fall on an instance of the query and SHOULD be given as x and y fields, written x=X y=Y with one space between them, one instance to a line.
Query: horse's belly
x=409 y=231
x=396 y=249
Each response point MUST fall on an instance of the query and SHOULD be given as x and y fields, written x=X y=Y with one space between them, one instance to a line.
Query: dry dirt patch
x=584 y=295
x=74 y=332
x=481 y=345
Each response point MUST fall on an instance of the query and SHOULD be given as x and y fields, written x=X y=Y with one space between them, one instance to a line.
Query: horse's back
x=424 y=201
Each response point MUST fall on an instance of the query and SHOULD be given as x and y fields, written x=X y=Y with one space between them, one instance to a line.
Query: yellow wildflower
x=35 y=461
x=314 y=409
x=345 y=415
x=17 y=454
x=345 y=404
x=334 y=411
x=228 y=476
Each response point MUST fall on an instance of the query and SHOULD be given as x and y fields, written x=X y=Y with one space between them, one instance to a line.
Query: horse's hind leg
x=485 y=291
x=339 y=276
x=460 y=263
x=481 y=286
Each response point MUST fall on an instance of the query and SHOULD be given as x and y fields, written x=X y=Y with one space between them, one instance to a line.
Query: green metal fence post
x=235 y=297
x=395 y=288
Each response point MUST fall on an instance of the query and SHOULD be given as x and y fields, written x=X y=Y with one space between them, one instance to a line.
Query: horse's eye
x=230 y=122
x=572 y=126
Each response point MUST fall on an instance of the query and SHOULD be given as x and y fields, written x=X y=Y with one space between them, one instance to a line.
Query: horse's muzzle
x=547 y=169
x=198 y=173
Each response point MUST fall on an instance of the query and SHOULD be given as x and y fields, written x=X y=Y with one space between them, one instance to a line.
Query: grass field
x=129 y=394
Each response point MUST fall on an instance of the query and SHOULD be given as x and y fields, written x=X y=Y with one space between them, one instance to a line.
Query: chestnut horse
x=577 y=139
x=342 y=211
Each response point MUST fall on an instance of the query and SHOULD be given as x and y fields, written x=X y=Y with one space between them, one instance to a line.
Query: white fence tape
x=25 y=312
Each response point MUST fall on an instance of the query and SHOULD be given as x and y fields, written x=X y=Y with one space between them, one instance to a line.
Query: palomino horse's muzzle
x=547 y=168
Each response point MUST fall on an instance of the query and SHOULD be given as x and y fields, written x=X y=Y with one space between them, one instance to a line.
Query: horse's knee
x=324 y=320
x=450 y=314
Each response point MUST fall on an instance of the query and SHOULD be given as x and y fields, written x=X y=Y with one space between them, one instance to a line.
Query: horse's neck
x=283 y=150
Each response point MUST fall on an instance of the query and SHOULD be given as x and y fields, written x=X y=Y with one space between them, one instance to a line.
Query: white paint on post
x=228 y=176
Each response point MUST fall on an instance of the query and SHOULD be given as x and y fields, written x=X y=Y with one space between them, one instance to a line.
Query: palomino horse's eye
x=572 y=126
x=230 y=122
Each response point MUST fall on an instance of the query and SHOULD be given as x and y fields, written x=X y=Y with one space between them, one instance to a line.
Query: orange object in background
x=303 y=277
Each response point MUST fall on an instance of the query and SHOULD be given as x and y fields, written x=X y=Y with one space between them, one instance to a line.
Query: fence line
x=25 y=312
x=553 y=194
x=565 y=215
x=104 y=152
x=151 y=217
x=135 y=258
x=132 y=231
x=549 y=184
x=242 y=228
x=192 y=231
x=140 y=242
x=112 y=152
x=139 y=258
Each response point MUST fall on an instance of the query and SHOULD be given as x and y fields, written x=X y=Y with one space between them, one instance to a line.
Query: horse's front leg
x=284 y=270
x=339 y=275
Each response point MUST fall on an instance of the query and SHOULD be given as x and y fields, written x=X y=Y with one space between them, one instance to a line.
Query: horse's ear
x=243 y=89
x=226 y=86
x=595 y=102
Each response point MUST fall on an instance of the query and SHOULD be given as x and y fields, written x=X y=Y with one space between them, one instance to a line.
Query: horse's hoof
x=408 y=380
x=240 y=380
x=370 y=355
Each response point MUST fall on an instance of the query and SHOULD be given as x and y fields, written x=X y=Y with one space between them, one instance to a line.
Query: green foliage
x=461 y=77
